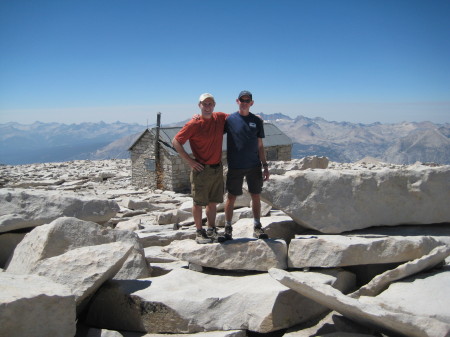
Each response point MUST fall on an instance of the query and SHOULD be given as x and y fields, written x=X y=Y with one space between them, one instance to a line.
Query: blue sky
x=358 y=61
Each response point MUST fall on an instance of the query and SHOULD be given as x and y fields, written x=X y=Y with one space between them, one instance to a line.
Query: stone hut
x=157 y=165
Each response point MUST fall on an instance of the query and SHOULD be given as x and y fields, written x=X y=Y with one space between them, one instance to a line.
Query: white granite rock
x=83 y=270
x=309 y=162
x=365 y=313
x=34 y=183
x=154 y=254
x=134 y=204
x=237 y=254
x=136 y=222
x=173 y=216
x=32 y=305
x=185 y=301
x=333 y=324
x=20 y=208
x=350 y=250
x=164 y=237
x=111 y=333
x=424 y=295
x=131 y=226
x=334 y=201
x=65 y=234
x=165 y=218
x=382 y=281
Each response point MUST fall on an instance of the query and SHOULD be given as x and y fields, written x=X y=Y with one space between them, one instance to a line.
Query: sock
x=227 y=223
x=256 y=222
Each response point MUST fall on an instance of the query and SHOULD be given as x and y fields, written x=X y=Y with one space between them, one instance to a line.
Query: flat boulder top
x=353 y=197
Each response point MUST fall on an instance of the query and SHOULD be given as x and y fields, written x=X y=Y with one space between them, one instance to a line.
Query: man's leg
x=197 y=214
x=199 y=197
x=255 y=183
x=229 y=207
x=235 y=179
x=256 y=207
x=201 y=236
x=211 y=211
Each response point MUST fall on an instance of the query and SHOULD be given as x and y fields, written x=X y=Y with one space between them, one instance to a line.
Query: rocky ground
x=356 y=249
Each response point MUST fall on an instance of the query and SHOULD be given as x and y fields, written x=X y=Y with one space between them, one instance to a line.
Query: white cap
x=205 y=96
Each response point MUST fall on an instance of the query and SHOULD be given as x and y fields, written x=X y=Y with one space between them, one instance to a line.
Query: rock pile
x=356 y=250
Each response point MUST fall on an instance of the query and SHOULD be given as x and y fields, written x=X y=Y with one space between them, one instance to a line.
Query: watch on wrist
x=265 y=165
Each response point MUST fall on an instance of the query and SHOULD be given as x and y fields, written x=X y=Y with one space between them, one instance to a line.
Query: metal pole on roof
x=158 y=125
x=159 y=173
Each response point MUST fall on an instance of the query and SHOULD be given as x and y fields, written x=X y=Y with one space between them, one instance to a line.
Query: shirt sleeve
x=223 y=117
x=261 y=133
x=185 y=133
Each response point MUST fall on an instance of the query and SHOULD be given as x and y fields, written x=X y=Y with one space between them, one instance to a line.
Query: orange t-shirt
x=205 y=137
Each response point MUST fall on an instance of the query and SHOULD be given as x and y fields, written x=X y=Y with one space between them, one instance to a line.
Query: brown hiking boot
x=258 y=232
x=202 y=237
x=227 y=234
x=212 y=233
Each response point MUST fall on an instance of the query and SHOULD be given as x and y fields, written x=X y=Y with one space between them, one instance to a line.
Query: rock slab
x=65 y=234
x=32 y=305
x=21 y=208
x=335 y=201
x=431 y=296
x=186 y=301
x=237 y=254
x=351 y=250
x=367 y=314
x=84 y=270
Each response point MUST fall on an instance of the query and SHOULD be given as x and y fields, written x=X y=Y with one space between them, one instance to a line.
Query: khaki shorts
x=207 y=186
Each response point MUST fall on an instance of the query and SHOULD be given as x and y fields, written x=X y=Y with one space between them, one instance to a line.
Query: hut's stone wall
x=279 y=152
x=172 y=174
x=179 y=180
x=142 y=159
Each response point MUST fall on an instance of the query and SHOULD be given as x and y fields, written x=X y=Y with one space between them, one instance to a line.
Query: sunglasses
x=242 y=100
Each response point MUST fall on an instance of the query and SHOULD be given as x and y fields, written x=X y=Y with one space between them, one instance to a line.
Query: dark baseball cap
x=245 y=93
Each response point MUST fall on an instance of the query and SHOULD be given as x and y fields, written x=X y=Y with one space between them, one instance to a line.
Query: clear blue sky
x=358 y=61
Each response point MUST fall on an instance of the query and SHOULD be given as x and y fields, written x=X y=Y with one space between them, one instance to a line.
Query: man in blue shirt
x=246 y=158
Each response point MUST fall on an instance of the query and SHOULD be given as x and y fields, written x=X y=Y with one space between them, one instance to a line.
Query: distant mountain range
x=50 y=142
x=401 y=143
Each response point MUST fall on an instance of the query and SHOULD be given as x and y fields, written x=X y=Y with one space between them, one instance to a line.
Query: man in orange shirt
x=205 y=135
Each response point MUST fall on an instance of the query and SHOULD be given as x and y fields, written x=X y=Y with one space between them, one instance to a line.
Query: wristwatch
x=265 y=165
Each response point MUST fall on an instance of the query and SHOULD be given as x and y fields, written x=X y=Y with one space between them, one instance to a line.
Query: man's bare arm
x=262 y=157
x=183 y=154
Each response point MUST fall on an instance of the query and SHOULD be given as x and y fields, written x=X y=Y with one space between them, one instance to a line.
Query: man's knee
x=231 y=197
x=255 y=196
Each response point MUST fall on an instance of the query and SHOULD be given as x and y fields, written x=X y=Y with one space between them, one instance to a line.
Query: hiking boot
x=227 y=234
x=258 y=232
x=212 y=233
x=201 y=237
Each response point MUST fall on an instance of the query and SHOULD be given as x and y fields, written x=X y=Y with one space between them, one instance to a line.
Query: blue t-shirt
x=242 y=140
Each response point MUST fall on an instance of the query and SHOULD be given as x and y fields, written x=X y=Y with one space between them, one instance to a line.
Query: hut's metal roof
x=273 y=137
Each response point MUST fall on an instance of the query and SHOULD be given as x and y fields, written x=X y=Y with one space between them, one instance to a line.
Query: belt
x=213 y=165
